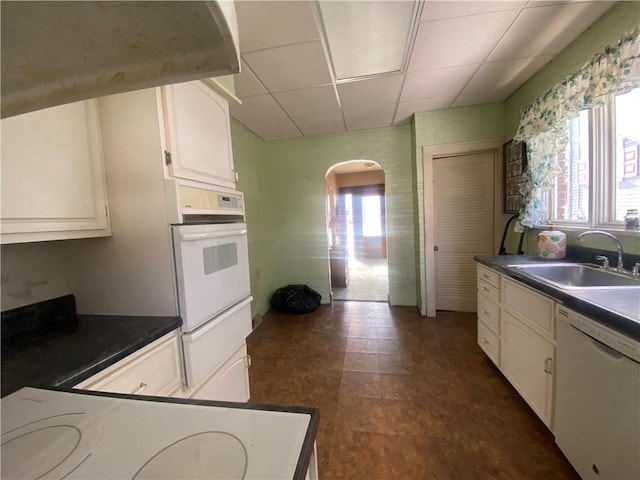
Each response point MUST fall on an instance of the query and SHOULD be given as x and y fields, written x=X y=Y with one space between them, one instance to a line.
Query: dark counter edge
x=167 y=325
x=307 y=445
x=609 y=318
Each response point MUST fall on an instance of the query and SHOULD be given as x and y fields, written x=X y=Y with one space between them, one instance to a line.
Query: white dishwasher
x=597 y=417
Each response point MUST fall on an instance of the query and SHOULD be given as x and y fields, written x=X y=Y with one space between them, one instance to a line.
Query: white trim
x=429 y=153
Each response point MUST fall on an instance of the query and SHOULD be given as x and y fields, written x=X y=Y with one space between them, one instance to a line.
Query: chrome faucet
x=620 y=266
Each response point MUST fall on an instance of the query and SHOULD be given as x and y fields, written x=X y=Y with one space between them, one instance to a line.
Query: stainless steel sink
x=576 y=275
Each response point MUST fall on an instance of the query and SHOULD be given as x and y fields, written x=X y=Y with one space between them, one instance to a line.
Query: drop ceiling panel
x=272 y=129
x=246 y=83
x=547 y=30
x=355 y=27
x=256 y=109
x=291 y=67
x=465 y=53
x=458 y=41
x=440 y=83
x=440 y=10
x=369 y=117
x=362 y=93
x=405 y=110
x=480 y=98
x=309 y=101
x=274 y=24
x=321 y=123
x=504 y=75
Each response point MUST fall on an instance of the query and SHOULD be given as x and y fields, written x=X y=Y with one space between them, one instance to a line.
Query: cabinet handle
x=484 y=275
x=547 y=365
x=248 y=360
x=485 y=312
x=140 y=388
x=485 y=289
x=484 y=340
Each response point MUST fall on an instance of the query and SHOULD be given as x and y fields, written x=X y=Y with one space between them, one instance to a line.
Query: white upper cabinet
x=198 y=134
x=53 y=181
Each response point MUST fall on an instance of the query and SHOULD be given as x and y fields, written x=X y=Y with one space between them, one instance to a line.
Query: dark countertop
x=67 y=356
x=618 y=309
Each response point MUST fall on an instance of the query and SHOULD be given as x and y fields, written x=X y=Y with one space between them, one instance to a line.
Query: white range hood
x=60 y=52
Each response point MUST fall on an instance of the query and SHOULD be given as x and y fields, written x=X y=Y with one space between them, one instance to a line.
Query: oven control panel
x=210 y=202
x=229 y=201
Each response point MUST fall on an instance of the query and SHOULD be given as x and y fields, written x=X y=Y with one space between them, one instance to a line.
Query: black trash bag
x=295 y=299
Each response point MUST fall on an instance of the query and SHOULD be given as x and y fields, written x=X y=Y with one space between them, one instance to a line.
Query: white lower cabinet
x=489 y=313
x=489 y=342
x=312 y=471
x=516 y=330
x=527 y=362
x=229 y=382
x=152 y=370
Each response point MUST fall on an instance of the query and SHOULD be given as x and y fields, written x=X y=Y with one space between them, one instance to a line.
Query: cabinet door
x=53 y=182
x=230 y=382
x=526 y=359
x=198 y=134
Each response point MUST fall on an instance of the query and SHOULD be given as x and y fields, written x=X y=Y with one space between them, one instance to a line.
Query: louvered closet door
x=463 y=216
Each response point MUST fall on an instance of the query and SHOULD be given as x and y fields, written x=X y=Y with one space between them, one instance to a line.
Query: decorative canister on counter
x=552 y=244
x=632 y=220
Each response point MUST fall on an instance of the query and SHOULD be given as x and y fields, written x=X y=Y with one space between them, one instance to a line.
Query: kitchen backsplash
x=31 y=273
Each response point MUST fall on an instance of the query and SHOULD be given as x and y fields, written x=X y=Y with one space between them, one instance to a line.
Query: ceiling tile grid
x=463 y=53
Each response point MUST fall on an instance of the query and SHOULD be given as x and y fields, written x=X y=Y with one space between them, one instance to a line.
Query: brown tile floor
x=400 y=396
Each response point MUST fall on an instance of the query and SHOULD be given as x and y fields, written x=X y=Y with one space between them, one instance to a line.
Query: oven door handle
x=189 y=237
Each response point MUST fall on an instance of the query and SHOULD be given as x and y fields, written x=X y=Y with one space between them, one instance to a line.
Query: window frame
x=602 y=177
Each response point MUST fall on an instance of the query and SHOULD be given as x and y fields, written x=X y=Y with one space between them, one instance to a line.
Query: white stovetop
x=50 y=434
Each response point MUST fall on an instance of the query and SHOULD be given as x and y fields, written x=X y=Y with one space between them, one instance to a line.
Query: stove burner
x=55 y=446
x=211 y=455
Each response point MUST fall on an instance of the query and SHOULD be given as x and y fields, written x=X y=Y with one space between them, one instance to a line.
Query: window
x=627 y=153
x=570 y=194
x=600 y=166
x=371 y=216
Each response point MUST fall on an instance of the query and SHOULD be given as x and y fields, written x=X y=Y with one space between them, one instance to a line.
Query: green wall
x=286 y=206
x=283 y=180
x=248 y=156
x=296 y=177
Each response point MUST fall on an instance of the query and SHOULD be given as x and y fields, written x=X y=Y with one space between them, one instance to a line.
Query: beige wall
x=32 y=272
x=357 y=179
x=331 y=199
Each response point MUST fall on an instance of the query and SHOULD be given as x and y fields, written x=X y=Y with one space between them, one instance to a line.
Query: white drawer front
x=488 y=290
x=489 y=313
x=206 y=348
x=535 y=309
x=488 y=341
x=489 y=276
x=153 y=370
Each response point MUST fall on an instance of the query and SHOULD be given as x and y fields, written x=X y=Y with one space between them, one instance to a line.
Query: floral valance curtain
x=543 y=125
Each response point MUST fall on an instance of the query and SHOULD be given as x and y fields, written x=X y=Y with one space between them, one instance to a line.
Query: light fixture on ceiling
x=368 y=38
x=368 y=164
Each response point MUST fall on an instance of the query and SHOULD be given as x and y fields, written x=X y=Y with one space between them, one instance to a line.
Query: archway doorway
x=357 y=231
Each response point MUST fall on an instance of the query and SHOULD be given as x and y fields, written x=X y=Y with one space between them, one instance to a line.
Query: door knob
x=436 y=248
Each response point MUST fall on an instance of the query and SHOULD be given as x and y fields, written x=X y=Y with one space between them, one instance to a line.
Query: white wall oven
x=212 y=276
